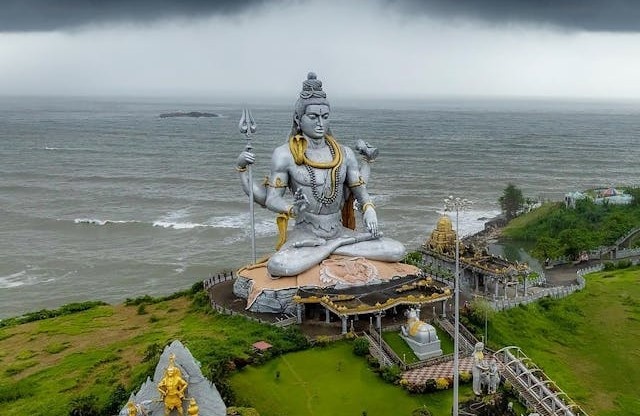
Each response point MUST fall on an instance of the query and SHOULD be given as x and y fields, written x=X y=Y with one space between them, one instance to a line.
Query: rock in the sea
x=189 y=114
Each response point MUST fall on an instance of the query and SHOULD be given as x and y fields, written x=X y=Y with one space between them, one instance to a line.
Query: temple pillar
x=327 y=317
x=379 y=321
x=344 y=324
x=299 y=313
x=495 y=286
x=444 y=308
x=476 y=280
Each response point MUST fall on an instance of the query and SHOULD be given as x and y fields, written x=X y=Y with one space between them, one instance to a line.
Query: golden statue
x=193 y=407
x=132 y=409
x=172 y=388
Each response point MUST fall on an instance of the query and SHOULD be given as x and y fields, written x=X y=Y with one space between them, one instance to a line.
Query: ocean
x=101 y=199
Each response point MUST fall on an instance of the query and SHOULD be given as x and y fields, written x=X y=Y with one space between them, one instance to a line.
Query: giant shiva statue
x=325 y=180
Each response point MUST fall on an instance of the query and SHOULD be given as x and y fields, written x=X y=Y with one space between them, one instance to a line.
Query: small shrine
x=178 y=387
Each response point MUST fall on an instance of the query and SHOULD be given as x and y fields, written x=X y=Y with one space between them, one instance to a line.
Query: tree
x=511 y=201
x=361 y=346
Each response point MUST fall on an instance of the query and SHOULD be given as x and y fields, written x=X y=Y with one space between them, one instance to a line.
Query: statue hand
x=300 y=202
x=245 y=158
x=370 y=219
x=369 y=152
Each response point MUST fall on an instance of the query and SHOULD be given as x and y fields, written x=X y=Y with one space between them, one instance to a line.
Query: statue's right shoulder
x=281 y=157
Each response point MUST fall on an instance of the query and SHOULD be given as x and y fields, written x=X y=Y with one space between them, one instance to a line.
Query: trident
x=247 y=126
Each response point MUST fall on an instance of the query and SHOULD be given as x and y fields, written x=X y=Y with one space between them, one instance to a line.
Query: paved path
x=422 y=374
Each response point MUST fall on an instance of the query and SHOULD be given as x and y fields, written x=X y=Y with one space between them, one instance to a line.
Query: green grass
x=400 y=346
x=329 y=381
x=517 y=226
x=588 y=343
x=50 y=362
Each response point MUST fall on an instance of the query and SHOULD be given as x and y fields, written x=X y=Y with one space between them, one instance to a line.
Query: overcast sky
x=393 y=49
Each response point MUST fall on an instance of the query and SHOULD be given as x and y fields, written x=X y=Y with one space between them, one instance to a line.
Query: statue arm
x=357 y=186
x=279 y=182
x=259 y=189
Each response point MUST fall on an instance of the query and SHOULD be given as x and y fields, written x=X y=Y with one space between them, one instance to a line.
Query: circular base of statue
x=268 y=295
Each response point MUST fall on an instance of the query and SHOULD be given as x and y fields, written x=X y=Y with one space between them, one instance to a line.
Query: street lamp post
x=456 y=204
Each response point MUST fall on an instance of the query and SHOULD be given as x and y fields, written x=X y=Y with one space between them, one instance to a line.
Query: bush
x=430 y=386
x=116 y=401
x=422 y=411
x=323 y=340
x=465 y=376
x=85 y=406
x=361 y=346
x=200 y=301
x=391 y=374
x=442 y=383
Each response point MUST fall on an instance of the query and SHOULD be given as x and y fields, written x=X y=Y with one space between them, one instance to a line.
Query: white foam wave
x=178 y=225
x=13 y=280
x=472 y=221
x=22 y=278
x=174 y=220
x=71 y=149
x=263 y=226
x=97 y=221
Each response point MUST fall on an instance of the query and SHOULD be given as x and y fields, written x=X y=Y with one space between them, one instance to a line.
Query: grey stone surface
x=205 y=392
x=242 y=287
x=275 y=301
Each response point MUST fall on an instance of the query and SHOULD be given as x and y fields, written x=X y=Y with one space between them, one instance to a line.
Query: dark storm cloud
x=47 y=15
x=589 y=15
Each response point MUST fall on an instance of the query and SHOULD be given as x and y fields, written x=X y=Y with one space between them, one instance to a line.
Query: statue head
x=311 y=111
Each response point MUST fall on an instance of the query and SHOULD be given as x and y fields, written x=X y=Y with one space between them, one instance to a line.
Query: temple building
x=480 y=272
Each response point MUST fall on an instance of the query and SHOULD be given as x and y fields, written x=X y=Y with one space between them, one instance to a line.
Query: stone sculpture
x=325 y=180
x=199 y=395
x=486 y=376
x=479 y=368
x=420 y=336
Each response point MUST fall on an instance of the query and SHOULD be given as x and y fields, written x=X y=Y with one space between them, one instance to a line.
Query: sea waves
x=96 y=221
x=24 y=278
x=180 y=220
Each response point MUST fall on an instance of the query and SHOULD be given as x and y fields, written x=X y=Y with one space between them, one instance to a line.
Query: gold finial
x=193 y=407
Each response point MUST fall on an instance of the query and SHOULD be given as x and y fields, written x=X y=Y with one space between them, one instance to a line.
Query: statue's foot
x=310 y=242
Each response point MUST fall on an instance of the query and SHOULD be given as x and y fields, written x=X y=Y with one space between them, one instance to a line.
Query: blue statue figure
x=325 y=180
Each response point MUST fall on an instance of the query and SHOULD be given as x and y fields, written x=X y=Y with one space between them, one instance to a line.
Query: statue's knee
x=396 y=250
x=279 y=266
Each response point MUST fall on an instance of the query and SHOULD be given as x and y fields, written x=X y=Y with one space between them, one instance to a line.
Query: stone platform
x=266 y=294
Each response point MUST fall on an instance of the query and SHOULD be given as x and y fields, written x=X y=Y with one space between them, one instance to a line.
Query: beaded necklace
x=334 y=190
x=298 y=146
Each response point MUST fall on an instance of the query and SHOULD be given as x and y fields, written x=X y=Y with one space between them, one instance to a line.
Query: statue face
x=314 y=123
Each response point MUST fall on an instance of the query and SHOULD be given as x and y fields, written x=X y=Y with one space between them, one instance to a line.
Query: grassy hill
x=558 y=231
x=588 y=343
x=95 y=358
